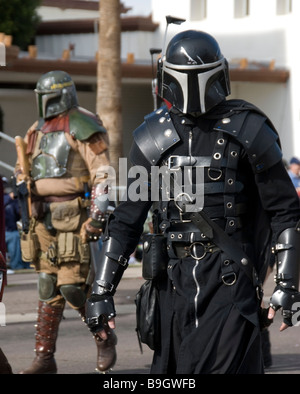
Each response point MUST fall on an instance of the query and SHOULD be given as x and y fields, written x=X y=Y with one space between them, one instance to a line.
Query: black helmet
x=55 y=93
x=193 y=75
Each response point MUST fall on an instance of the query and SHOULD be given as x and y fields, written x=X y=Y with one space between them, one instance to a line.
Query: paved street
x=76 y=352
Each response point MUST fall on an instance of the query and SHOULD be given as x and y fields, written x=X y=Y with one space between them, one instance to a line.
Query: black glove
x=288 y=300
x=99 y=309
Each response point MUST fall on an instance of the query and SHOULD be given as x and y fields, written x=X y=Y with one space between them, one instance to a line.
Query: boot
x=47 y=325
x=106 y=350
x=5 y=368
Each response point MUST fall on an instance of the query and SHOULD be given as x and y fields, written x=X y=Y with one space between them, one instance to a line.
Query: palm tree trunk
x=109 y=77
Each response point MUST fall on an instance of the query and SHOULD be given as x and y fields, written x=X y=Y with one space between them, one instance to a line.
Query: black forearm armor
x=111 y=266
x=288 y=258
x=287 y=251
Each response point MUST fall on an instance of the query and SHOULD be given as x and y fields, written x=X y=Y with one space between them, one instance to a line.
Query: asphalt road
x=76 y=351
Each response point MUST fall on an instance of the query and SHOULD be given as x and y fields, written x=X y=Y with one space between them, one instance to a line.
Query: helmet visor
x=42 y=98
x=191 y=86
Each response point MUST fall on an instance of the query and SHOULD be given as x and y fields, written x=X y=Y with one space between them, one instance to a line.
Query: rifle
x=24 y=192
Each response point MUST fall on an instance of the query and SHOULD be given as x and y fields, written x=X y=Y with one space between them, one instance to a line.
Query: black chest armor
x=237 y=139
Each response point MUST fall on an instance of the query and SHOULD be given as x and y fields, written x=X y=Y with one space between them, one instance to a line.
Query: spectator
x=294 y=173
x=5 y=367
x=12 y=236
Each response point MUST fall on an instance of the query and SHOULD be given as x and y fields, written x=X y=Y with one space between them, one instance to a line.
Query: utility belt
x=210 y=238
x=62 y=217
x=59 y=213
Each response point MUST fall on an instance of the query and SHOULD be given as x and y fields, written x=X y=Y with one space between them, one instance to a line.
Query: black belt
x=197 y=250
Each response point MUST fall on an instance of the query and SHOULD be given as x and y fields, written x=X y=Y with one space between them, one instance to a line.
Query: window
x=241 y=8
x=283 y=7
x=198 y=10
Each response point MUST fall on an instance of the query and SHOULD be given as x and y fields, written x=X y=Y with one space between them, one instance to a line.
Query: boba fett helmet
x=55 y=94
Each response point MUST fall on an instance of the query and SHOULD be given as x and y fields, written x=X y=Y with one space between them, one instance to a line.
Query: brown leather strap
x=68 y=197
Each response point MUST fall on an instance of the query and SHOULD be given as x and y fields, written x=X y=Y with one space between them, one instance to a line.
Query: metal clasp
x=180 y=208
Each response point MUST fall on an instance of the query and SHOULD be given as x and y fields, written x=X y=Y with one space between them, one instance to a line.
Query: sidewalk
x=29 y=277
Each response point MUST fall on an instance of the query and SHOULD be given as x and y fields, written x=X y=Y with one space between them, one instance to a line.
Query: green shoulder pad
x=83 y=124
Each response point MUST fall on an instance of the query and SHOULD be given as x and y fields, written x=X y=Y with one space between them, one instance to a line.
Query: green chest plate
x=53 y=157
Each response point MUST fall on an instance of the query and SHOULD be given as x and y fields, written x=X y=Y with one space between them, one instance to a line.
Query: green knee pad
x=47 y=286
x=74 y=295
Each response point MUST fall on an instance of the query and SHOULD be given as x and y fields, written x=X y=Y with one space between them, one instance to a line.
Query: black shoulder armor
x=153 y=138
x=255 y=132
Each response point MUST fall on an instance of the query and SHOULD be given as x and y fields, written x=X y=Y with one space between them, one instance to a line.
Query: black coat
x=208 y=327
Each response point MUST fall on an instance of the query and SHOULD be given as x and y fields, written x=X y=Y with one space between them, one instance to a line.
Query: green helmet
x=55 y=94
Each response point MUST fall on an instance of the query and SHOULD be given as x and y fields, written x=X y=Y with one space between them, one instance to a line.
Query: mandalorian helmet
x=193 y=75
x=55 y=94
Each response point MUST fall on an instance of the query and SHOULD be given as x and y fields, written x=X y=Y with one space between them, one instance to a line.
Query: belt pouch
x=65 y=216
x=155 y=256
x=29 y=246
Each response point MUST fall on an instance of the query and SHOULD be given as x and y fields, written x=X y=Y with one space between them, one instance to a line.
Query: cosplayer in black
x=209 y=296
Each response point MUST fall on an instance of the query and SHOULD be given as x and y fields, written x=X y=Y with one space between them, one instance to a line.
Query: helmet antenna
x=154 y=51
x=176 y=21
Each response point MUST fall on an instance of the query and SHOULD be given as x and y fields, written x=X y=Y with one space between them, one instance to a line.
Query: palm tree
x=109 y=76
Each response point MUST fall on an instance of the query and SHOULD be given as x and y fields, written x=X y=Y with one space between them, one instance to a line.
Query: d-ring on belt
x=197 y=250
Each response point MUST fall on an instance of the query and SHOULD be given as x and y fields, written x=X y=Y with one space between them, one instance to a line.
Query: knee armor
x=47 y=286
x=74 y=295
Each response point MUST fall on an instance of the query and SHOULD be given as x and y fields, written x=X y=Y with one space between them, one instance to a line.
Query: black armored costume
x=218 y=246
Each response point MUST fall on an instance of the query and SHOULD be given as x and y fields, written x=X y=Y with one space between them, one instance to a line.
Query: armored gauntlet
x=100 y=305
x=286 y=294
x=95 y=225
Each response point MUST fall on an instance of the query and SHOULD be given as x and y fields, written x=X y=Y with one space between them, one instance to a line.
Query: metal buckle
x=122 y=260
x=105 y=285
x=180 y=208
x=193 y=250
x=170 y=163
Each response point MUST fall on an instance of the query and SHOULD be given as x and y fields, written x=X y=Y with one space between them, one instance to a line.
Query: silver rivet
x=168 y=133
x=244 y=261
x=226 y=120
